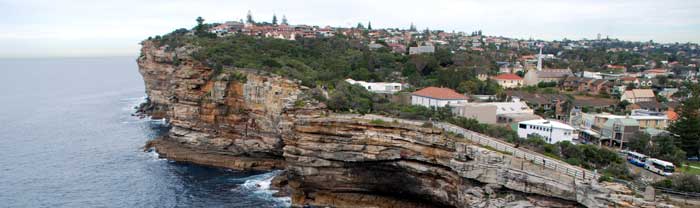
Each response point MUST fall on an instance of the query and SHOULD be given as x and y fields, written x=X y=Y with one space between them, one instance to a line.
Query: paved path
x=534 y=157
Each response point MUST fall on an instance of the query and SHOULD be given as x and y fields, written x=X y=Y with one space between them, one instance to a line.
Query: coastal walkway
x=502 y=146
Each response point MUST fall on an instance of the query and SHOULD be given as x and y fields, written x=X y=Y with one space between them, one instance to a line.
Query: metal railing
x=533 y=157
x=481 y=139
x=678 y=193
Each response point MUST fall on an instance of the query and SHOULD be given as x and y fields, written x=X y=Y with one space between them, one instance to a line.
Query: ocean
x=67 y=139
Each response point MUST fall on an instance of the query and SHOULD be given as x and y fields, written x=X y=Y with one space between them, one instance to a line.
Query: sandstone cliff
x=234 y=112
x=250 y=120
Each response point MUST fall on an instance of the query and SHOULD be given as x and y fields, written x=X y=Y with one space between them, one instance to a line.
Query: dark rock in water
x=280 y=183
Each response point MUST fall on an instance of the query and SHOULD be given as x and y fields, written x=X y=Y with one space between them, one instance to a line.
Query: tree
x=623 y=105
x=688 y=123
x=249 y=18
x=200 y=29
x=369 y=25
x=284 y=20
x=349 y=97
x=412 y=27
x=663 y=80
x=274 y=19
x=360 y=26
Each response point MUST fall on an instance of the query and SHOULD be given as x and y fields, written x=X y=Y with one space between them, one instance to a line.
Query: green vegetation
x=351 y=98
x=690 y=168
x=661 y=147
x=324 y=61
x=687 y=127
x=583 y=155
x=478 y=87
x=497 y=131
x=681 y=182
x=377 y=121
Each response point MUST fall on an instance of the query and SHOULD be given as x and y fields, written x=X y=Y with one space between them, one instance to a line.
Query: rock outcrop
x=250 y=120
x=229 y=112
x=338 y=157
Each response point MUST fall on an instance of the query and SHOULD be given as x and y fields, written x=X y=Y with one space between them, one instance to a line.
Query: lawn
x=691 y=170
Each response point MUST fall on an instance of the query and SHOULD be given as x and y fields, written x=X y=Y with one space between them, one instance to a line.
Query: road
x=645 y=174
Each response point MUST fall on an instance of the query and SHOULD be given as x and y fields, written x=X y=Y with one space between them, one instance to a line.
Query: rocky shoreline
x=181 y=153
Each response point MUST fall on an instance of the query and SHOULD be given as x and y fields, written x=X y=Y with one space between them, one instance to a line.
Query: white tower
x=539 y=59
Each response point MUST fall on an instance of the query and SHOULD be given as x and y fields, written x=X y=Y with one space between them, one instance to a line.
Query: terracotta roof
x=671 y=115
x=615 y=66
x=629 y=78
x=639 y=93
x=508 y=77
x=440 y=93
x=528 y=57
x=655 y=71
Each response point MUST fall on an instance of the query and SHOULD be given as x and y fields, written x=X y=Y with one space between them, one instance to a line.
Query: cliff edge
x=247 y=119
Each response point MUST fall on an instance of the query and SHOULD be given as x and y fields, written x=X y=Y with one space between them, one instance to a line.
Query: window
x=523 y=126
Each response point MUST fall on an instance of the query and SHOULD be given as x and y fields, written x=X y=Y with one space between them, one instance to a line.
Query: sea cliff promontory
x=250 y=119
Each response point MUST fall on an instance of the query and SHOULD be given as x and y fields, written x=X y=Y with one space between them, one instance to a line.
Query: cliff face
x=336 y=160
x=248 y=120
x=235 y=113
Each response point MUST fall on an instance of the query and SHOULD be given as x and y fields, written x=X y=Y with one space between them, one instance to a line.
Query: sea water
x=67 y=139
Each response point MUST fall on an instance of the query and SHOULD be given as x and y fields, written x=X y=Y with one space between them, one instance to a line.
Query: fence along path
x=533 y=157
x=536 y=158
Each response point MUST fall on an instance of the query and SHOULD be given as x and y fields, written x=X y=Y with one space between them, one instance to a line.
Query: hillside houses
x=421 y=49
x=587 y=85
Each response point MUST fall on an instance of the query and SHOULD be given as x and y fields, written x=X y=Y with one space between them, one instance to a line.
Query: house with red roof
x=509 y=80
x=617 y=68
x=433 y=97
x=651 y=73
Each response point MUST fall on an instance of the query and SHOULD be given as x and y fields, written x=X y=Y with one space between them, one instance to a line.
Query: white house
x=551 y=131
x=378 y=87
x=592 y=75
x=432 y=97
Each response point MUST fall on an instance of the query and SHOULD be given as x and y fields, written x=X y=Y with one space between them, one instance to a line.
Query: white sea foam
x=133 y=103
x=152 y=153
x=259 y=185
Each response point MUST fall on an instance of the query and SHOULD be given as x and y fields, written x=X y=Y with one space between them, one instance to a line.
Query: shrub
x=681 y=182
x=377 y=121
x=618 y=170
x=347 y=97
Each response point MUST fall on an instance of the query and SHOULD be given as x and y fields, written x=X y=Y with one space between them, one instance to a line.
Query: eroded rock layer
x=233 y=112
x=333 y=157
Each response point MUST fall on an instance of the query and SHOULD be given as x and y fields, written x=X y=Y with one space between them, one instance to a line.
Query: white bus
x=660 y=167
x=637 y=159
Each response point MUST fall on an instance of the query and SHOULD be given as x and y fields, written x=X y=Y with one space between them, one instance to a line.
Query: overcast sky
x=63 y=28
